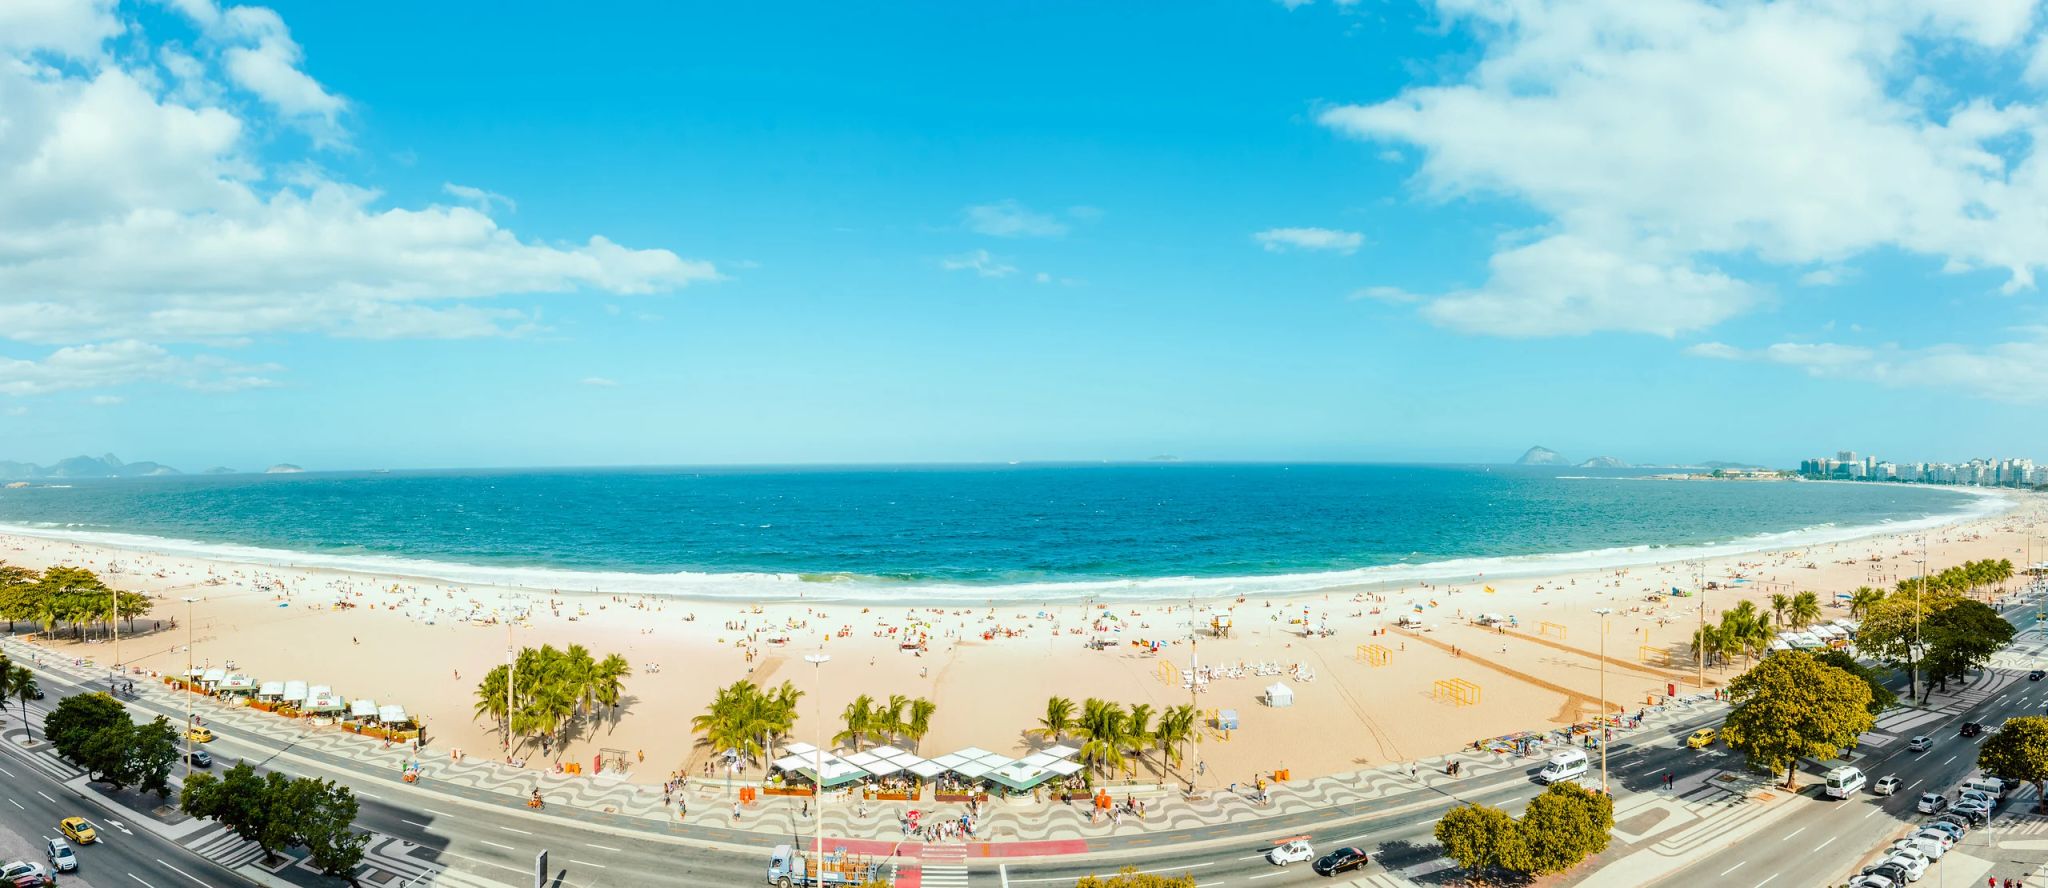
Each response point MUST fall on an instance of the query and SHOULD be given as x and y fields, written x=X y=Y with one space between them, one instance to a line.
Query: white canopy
x=1279 y=694
x=271 y=689
x=926 y=769
x=391 y=714
x=799 y=748
x=1064 y=768
x=214 y=675
x=294 y=692
x=1060 y=751
x=362 y=708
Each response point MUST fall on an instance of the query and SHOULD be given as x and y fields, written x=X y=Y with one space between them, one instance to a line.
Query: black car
x=201 y=759
x=1891 y=871
x=1972 y=729
x=2037 y=675
x=1340 y=860
x=1974 y=816
x=1951 y=817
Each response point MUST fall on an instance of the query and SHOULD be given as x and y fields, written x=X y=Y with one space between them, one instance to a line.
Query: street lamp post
x=1699 y=657
x=1603 y=612
x=818 y=661
x=114 y=684
x=189 y=715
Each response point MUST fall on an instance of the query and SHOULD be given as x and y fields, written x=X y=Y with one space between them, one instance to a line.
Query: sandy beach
x=424 y=644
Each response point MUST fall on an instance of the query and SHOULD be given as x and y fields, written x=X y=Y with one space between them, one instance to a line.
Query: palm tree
x=1058 y=719
x=1780 y=603
x=1138 y=729
x=1106 y=727
x=1708 y=642
x=1863 y=600
x=490 y=701
x=859 y=718
x=608 y=680
x=1805 y=610
x=920 y=720
x=20 y=684
x=1176 y=727
x=889 y=719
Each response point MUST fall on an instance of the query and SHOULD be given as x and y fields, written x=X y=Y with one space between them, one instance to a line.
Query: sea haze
x=1022 y=533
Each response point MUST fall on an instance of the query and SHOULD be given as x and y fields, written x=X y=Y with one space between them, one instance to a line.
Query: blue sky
x=383 y=234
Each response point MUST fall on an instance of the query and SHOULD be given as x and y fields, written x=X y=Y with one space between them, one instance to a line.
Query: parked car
x=61 y=858
x=1889 y=869
x=1930 y=848
x=1885 y=785
x=1943 y=839
x=1952 y=827
x=1872 y=882
x=1291 y=851
x=1977 y=815
x=1976 y=795
x=1340 y=861
x=1972 y=729
x=1920 y=743
x=25 y=874
x=201 y=759
x=1931 y=803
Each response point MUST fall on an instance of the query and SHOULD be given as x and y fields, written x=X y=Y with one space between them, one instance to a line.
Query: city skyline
x=1363 y=233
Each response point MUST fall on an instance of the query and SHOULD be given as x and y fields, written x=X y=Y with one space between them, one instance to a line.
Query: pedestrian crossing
x=945 y=866
x=220 y=845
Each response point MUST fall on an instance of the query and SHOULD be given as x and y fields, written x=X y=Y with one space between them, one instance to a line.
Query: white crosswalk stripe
x=945 y=866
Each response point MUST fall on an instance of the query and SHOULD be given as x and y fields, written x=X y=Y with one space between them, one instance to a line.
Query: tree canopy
x=1930 y=624
x=1881 y=697
x=1792 y=705
x=2018 y=750
x=62 y=595
x=94 y=730
x=1129 y=877
x=1561 y=828
x=279 y=812
x=553 y=692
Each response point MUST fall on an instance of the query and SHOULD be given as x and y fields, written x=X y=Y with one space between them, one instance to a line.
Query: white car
x=1914 y=864
x=20 y=868
x=1294 y=851
x=1930 y=848
x=1871 y=882
x=61 y=858
x=1946 y=839
x=1976 y=795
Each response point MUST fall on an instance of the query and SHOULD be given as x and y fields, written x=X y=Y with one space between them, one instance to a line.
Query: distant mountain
x=109 y=466
x=1542 y=456
x=1603 y=462
x=1723 y=464
x=283 y=469
x=220 y=470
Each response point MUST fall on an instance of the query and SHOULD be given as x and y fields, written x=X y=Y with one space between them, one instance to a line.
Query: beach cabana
x=363 y=709
x=235 y=685
x=294 y=692
x=925 y=770
x=392 y=714
x=325 y=702
x=826 y=770
x=271 y=690
x=1019 y=777
x=1061 y=751
x=1279 y=695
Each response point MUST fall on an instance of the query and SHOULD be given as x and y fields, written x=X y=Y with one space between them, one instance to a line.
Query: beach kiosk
x=1279 y=695
x=1219 y=622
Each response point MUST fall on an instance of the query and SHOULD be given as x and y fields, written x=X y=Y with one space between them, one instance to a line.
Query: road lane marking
x=1915 y=784
x=1872 y=811
x=599 y=847
x=1766 y=881
x=519 y=831
x=7 y=772
x=1950 y=759
x=1793 y=833
x=436 y=813
x=15 y=804
x=54 y=801
x=587 y=863
x=1824 y=844
x=139 y=879
x=410 y=823
x=1737 y=866
x=525 y=871
x=496 y=845
x=187 y=875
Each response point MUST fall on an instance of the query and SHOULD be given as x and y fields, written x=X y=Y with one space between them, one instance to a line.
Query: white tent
x=391 y=714
x=1278 y=695
x=361 y=708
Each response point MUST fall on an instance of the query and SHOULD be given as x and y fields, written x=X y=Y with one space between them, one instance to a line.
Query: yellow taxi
x=1700 y=739
x=79 y=830
x=200 y=734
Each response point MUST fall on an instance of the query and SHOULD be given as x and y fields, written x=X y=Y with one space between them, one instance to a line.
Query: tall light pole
x=818 y=661
x=511 y=669
x=1603 y=612
x=189 y=716
x=114 y=684
x=1699 y=656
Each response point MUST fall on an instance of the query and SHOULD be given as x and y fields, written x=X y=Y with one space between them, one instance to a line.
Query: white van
x=1564 y=765
x=1995 y=787
x=1843 y=782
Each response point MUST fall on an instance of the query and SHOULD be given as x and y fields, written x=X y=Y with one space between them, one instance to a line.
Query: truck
x=790 y=867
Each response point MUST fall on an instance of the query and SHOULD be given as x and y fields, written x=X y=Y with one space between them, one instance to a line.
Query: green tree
x=1562 y=827
x=325 y=819
x=1792 y=706
x=18 y=587
x=2018 y=750
x=1105 y=727
x=860 y=719
x=1176 y=728
x=235 y=799
x=1481 y=838
x=1804 y=610
x=553 y=693
x=1058 y=719
x=1962 y=634
x=1892 y=632
x=1862 y=600
x=1129 y=877
x=18 y=683
x=77 y=718
x=920 y=724
x=1881 y=697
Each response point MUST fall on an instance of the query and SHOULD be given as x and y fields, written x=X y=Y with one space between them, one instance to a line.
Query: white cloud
x=483 y=200
x=1008 y=218
x=1389 y=295
x=980 y=262
x=69 y=28
x=1676 y=135
x=1565 y=284
x=600 y=382
x=1279 y=240
x=137 y=206
x=105 y=400
x=2014 y=371
x=125 y=362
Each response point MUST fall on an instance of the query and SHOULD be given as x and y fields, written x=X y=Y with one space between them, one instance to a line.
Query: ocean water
x=1033 y=533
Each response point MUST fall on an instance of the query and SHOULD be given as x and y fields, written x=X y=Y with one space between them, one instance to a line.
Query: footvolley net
x=1455 y=691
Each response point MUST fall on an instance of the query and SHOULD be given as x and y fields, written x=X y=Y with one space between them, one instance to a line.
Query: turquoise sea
x=994 y=533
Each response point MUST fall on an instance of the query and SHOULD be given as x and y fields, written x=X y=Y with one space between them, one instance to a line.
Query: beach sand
x=424 y=644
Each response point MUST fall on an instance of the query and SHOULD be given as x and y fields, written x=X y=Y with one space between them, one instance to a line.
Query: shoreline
x=989 y=668
x=844 y=589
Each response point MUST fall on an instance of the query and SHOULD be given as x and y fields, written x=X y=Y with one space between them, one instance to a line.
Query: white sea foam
x=767 y=587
